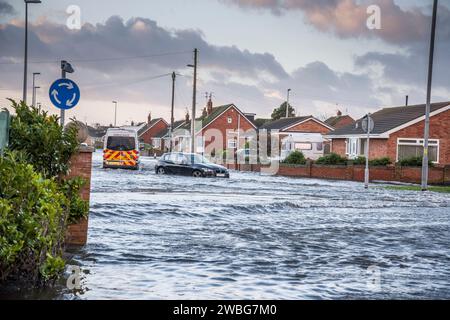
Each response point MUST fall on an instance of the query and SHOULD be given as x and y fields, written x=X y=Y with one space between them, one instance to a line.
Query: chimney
x=209 y=105
x=149 y=118
x=339 y=113
x=204 y=113
x=187 y=117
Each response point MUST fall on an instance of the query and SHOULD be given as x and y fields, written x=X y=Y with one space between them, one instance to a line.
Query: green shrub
x=32 y=222
x=413 y=162
x=380 y=162
x=332 y=159
x=77 y=207
x=296 y=157
x=48 y=148
x=359 y=161
x=374 y=162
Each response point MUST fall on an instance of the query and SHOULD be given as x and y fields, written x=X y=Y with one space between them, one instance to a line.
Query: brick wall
x=221 y=124
x=350 y=172
x=439 y=129
x=80 y=166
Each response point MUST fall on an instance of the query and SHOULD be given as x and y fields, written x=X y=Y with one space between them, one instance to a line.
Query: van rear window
x=121 y=143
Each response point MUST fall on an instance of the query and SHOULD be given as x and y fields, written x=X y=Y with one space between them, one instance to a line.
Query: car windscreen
x=121 y=143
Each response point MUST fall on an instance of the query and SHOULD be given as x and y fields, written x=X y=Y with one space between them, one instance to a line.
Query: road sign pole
x=63 y=112
x=366 y=172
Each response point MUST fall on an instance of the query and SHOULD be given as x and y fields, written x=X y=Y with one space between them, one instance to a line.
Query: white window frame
x=230 y=120
x=232 y=143
x=157 y=143
x=417 y=142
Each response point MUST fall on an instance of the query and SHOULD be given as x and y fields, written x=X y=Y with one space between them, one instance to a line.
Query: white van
x=121 y=149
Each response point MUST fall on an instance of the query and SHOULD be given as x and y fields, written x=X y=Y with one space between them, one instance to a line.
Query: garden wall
x=437 y=175
x=81 y=166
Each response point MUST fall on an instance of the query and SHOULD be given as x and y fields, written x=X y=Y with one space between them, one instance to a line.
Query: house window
x=157 y=143
x=408 y=148
x=230 y=120
x=231 y=144
x=303 y=146
x=352 y=147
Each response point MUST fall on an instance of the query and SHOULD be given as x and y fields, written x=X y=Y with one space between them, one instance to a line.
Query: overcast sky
x=251 y=51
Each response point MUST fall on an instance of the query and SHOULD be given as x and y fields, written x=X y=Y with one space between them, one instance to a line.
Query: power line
x=128 y=82
x=102 y=59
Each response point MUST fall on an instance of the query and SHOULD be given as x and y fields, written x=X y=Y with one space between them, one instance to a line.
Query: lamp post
x=35 y=94
x=428 y=106
x=25 y=60
x=115 y=113
x=287 y=103
x=34 y=88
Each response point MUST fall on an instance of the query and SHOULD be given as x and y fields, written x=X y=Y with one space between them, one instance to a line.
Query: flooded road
x=260 y=237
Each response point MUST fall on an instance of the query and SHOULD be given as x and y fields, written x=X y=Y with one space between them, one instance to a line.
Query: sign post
x=64 y=93
x=368 y=126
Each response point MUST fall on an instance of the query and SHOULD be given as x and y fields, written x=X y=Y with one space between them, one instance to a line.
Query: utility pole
x=428 y=106
x=366 y=171
x=407 y=101
x=172 y=119
x=115 y=113
x=287 y=103
x=194 y=100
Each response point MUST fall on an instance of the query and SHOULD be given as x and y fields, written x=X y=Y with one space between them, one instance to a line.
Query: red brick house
x=227 y=123
x=340 y=121
x=305 y=134
x=398 y=134
x=151 y=129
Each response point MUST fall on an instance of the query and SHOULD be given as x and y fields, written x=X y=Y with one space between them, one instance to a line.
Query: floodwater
x=259 y=237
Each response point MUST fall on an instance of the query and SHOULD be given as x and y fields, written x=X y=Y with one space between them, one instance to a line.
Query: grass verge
x=441 y=189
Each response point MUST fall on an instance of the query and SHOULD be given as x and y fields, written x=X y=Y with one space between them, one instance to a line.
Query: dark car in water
x=189 y=164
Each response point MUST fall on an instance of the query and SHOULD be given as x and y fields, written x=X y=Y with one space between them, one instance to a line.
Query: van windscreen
x=121 y=143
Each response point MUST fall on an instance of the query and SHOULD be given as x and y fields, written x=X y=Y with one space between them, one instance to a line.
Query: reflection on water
x=258 y=237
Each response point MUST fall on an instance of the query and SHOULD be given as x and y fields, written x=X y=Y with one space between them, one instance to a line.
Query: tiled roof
x=148 y=126
x=283 y=123
x=335 y=121
x=210 y=118
x=390 y=118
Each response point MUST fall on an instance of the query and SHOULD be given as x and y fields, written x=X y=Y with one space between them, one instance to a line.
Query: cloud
x=135 y=37
x=347 y=18
x=6 y=9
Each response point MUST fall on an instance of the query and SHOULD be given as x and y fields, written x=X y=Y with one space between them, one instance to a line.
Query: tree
x=280 y=112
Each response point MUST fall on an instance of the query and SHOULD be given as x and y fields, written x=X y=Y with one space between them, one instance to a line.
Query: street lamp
x=34 y=95
x=287 y=103
x=34 y=88
x=25 y=60
x=115 y=113
x=428 y=105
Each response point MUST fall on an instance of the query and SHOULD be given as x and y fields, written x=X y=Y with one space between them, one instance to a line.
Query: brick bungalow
x=340 y=120
x=300 y=133
x=398 y=134
x=151 y=128
x=229 y=120
x=161 y=140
